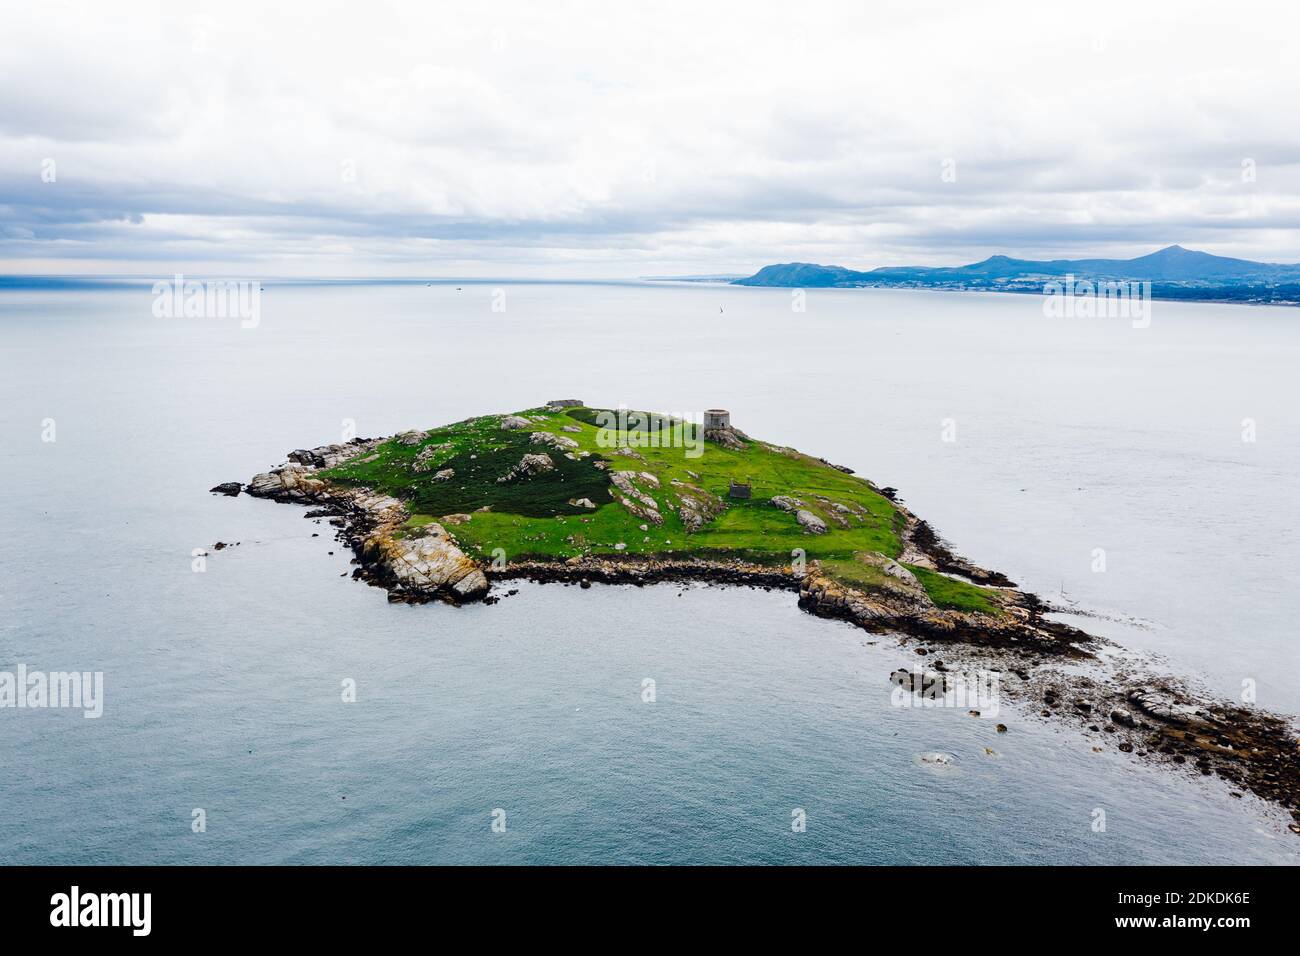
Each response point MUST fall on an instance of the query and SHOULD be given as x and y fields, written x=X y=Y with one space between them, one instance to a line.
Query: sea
x=261 y=707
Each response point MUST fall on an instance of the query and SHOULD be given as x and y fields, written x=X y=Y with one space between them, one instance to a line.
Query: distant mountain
x=1174 y=272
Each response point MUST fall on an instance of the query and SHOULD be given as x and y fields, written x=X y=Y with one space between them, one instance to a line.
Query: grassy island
x=619 y=482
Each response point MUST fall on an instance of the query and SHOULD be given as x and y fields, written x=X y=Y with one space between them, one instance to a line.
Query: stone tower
x=717 y=428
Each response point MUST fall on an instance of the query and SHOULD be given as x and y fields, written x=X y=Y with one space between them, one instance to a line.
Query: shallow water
x=223 y=688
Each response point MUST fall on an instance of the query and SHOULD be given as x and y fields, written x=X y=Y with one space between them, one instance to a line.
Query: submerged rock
x=937 y=758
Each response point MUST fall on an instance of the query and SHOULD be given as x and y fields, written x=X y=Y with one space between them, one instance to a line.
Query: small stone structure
x=716 y=419
x=565 y=403
x=740 y=490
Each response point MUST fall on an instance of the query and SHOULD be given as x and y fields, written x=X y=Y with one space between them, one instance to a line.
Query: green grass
x=480 y=452
x=858 y=574
x=532 y=517
x=950 y=593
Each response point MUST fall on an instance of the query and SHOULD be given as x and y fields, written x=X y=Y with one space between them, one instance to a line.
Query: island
x=579 y=495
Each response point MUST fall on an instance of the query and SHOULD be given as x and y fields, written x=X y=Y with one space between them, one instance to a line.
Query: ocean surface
x=223 y=689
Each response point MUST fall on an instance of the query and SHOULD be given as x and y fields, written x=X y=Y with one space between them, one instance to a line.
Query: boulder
x=1164 y=706
x=1123 y=717
x=554 y=441
x=231 y=488
x=293 y=482
x=810 y=522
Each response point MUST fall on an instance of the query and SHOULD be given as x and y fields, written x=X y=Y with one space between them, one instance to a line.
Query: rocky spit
x=1150 y=716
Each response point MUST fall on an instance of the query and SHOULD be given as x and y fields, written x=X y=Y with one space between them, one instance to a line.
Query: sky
x=610 y=140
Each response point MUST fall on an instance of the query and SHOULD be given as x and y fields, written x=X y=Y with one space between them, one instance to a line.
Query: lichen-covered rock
x=554 y=441
x=327 y=456
x=427 y=560
x=896 y=570
x=528 y=466
x=293 y=482
x=445 y=475
x=634 y=499
x=810 y=522
x=696 y=507
x=514 y=422
x=727 y=437
x=378 y=506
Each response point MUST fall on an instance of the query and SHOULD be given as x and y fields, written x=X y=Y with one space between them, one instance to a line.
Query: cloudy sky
x=574 y=139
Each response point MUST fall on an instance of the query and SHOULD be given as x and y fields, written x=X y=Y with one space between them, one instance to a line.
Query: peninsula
x=1173 y=273
x=568 y=493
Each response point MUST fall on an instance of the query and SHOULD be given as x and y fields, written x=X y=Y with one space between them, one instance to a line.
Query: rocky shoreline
x=1152 y=717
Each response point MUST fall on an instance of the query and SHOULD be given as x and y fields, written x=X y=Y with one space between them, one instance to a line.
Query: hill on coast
x=1175 y=272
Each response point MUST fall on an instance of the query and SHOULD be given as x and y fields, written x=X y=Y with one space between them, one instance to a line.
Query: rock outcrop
x=696 y=507
x=553 y=440
x=425 y=561
x=422 y=563
x=527 y=467
x=635 y=499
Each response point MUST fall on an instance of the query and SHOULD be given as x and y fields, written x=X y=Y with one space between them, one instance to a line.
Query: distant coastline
x=1171 y=274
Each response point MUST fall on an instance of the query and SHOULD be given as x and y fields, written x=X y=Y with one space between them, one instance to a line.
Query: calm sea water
x=223 y=688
